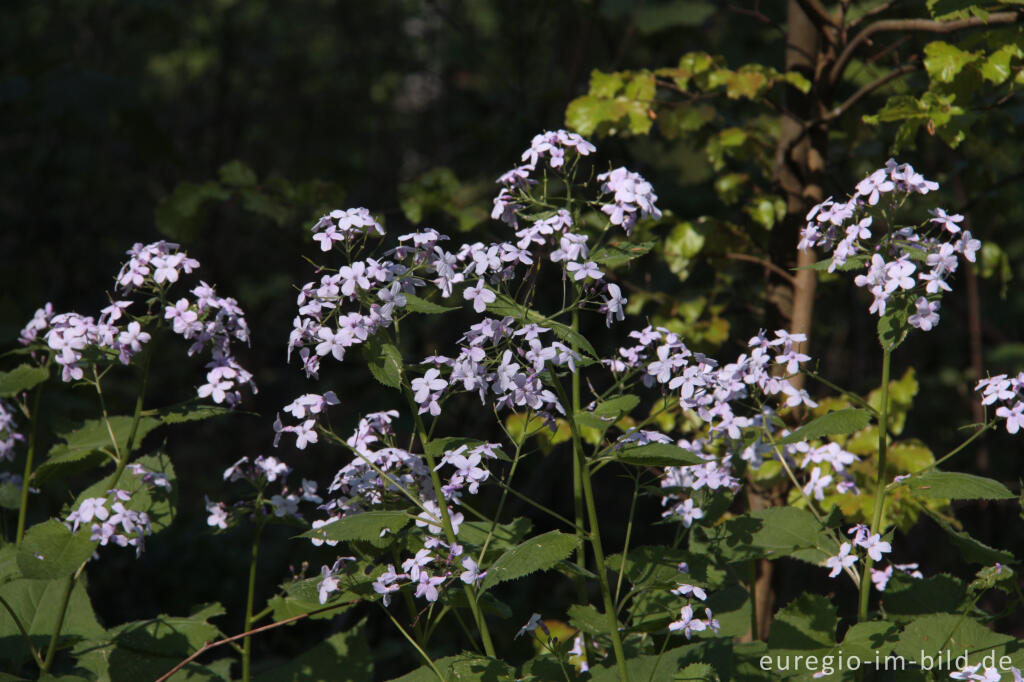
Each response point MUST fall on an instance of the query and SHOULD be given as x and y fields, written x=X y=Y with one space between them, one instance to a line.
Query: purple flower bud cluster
x=896 y=255
x=1008 y=394
x=9 y=437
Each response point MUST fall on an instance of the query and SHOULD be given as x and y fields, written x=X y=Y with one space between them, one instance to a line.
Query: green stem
x=123 y=457
x=29 y=460
x=51 y=651
x=430 y=663
x=446 y=521
x=250 y=598
x=977 y=434
x=577 y=493
x=880 y=484
x=595 y=542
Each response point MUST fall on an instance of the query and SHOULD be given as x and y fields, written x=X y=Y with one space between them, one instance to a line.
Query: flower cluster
x=8 y=435
x=634 y=198
x=110 y=520
x=344 y=226
x=873 y=545
x=259 y=472
x=209 y=321
x=1008 y=394
x=896 y=255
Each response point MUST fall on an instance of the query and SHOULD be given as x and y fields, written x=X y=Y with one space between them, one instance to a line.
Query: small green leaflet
x=365 y=526
x=416 y=304
x=839 y=422
x=658 y=455
x=614 y=255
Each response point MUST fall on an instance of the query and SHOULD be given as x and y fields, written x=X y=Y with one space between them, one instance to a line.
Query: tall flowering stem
x=250 y=598
x=876 y=518
x=29 y=461
x=446 y=522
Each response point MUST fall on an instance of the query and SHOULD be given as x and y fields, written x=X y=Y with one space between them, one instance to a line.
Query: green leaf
x=893 y=327
x=588 y=619
x=464 y=667
x=842 y=421
x=681 y=246
x=771 y=533
x=614 y=255
x=21 y=378
x=617 y=406
x=237 y=174
x=592 y=421
x=914 y=597
x=49 y=550
x=536 y=554
x=364 y=526
x=658 y=455
x=650 y=19
x=37 y=606
x=949 y=632
x=344 y=656
x=503 y=305
x=807 y=622
x=798 y=81
x=996 y=68
x=944 y=61
x=585 y=114
x=950 y=485
x=864 y=640
x=190 y=412
x=385 y=362
x=94 y=435
x=416 y=304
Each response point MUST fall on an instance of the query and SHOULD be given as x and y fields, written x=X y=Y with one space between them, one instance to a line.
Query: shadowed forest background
x=230 y=127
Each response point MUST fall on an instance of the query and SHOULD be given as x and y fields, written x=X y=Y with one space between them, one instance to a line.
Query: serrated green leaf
x=657 y=455
x=614 y=255
x=588 y=619
x=834 y=423
x=949 y=632
x=94 y=435
x=592 y=421
x=864 y=640
x=915 y=597
x=384 y=361
x=807 y=622
x=365 y=526
x=697 y=672
x=536 y=554
x=617 y=406
x=22 y=378
x=585 y=114
x=416 y=304
x=190 y=412
x=49 y=551
x=944 y=61
x=951 y=485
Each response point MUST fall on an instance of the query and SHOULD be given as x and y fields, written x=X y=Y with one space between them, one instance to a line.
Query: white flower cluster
x=111 y=521
x=1008 y=393
x=9 y=437
x=208 y=321
x=894 y=257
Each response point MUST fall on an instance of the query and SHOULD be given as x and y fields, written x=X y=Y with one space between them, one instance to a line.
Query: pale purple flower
x=840 y=561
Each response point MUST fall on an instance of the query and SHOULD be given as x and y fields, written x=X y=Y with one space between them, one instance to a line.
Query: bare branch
x=227 y=640
x=917 y=26
x=766 y=264
x=868 y=89
x=814 y=8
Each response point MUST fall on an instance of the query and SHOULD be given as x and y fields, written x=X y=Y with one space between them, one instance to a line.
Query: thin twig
x=263 y=628
x=914 y=25
x=768 y=265
x=867 y=90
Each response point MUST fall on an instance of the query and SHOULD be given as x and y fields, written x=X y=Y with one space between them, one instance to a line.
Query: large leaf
x=95 y=435
x=770 y=533
x=950 y=485
x=834 y=423
x=21 y=378
x=658 y=455
x=971 y=549
x=806 y=623
x=942 y=633
x=50 y=550
x=536 y=554
x=37 y=605
x=344 y=656
x=364 y=526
